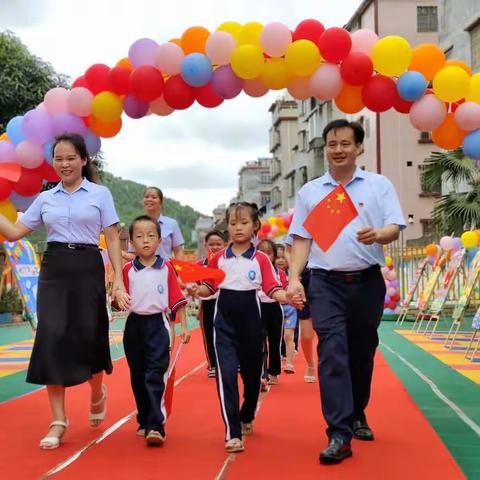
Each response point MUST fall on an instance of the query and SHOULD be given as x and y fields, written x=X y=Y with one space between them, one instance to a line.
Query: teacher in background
x=347 y=290
x=71 y=343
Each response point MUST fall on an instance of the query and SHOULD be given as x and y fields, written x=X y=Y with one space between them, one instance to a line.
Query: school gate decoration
x=356 y=70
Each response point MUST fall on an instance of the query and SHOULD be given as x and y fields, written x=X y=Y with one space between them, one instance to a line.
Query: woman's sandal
x=234 y=445
x=309 y=376
x=96 y=419
x=289 y=368
x=247 y=428
x=51 y=442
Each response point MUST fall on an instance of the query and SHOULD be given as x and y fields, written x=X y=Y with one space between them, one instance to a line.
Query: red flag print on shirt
x=327 y=220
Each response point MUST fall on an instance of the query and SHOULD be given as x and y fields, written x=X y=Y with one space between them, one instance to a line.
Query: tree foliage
x=24 y=78
x=458 y=210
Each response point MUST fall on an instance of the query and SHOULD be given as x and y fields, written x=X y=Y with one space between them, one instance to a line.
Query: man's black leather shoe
x=361 y=431
x=336 y=451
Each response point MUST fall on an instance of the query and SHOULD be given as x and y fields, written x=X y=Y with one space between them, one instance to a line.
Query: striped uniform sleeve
x=176 y=298
x=283 y=278
x=270 y=281
x=126 y=280
x=212 y=263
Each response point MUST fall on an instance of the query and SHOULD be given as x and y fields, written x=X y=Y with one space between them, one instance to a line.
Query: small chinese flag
x=327 y=220
x=191 y=272
x=170 y=385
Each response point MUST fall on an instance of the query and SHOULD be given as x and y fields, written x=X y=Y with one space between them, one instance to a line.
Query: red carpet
x=288 y=434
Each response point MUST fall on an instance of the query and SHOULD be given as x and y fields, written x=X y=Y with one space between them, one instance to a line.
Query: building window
x=264 y=198
x=303 y=175
x=425 y=137
x=265 y=177
x=427 y=19
x=291 y=185
x=428 y=227
x=475 y=46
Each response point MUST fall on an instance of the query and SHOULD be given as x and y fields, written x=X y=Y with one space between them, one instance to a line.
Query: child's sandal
x=234 y=445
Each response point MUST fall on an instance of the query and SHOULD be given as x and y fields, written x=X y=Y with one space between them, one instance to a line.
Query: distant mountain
x=128 y=202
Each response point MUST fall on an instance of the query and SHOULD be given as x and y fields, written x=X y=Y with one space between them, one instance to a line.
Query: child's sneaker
x=234 y=445
x=273 y=380
x=140 y=431
x=155 y=437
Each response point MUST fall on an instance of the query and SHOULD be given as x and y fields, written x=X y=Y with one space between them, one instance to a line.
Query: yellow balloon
x=275 y=74
x=233 y=28
x=247 y=61
x=388 y=261
x=107 y=107
x=302 y=58
x=451 y=84
x=272 y=221
x=250 y=34
x=469 y=239
x=102 y=243
x=473 y=94
x=392 y=55
x=8 y=210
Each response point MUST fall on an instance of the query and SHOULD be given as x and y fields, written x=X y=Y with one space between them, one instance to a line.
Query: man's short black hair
x=144 y=218
x=358 y=131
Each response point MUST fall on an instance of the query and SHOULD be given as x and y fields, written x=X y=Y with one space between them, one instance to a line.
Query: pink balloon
x=255 y=87
x=142 y=52
x=219 y=47
x=467 y=116
x=391 y=291
x=169 y=57
x=79 y=101
x=275 y=39
x=161 y=107
x=226 y=83
x=363 y=40
x=7 y=152
x=55 y=100
x=427 y=113
x=447 y=243
x=326 y=83
x=29 y=155
x=299 y=88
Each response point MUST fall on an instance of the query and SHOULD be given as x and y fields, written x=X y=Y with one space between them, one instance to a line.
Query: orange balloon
x=104 y=129
x=193 y=39
x=448 y=135
x=124 y=63
x=431 y=250
x=427 y=59
x=4 y=137
x=349 y=100
x=458 y=63
x=176 y=41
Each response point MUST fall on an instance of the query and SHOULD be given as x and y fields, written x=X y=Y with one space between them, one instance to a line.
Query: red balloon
x=207 y=96
x=29 y=183
x=454 y=106
x=379 y=93
x=401 y=105
x=146 y=83
x=5 y=189
x=356 y=68
x=118 y=80
x=266 y=227
x=97 y=78
x=335 y=44
x=80 y=82
x=47 y=172
x=309 y=29
x=178 y=94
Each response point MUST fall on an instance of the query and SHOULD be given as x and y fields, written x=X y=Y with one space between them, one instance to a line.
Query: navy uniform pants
x=146 y=341
x=346 y=312
x=208 y=311
x=238 y=337
x=272 y=319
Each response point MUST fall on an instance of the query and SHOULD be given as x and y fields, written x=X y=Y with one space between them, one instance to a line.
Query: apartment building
x=254 y=182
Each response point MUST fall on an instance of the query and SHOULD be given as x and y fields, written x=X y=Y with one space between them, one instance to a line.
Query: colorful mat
x=454 y=356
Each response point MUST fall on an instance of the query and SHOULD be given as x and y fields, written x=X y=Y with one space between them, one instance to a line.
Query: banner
x=470 y=282
x=23 y=261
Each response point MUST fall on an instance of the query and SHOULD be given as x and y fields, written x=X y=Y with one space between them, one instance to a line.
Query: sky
x=193 y=155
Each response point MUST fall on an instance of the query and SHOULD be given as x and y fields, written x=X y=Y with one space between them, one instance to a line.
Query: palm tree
x=456 y=211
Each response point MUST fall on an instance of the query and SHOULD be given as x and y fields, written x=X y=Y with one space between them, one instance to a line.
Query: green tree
x=24 y=78
x=455 y=211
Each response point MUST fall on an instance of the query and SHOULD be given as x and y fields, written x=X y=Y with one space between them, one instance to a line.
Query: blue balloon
x=93 y=143
x=47 y=152
x=196 y=69
x=14 y=130
x=388 y=311
x=411 y=86
x=471 y=145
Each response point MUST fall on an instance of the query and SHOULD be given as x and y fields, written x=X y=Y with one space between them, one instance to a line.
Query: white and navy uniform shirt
x=153 y=289
x=283 y=280
x=252 y=270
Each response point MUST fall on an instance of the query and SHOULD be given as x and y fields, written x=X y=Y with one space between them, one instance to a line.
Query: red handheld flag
x=327 y=220
x=191 y=272
x=168 y=398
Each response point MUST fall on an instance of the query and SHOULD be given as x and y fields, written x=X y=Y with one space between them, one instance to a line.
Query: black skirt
x=71 y=343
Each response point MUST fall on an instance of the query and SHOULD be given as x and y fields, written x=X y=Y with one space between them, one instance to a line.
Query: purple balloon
x=37 y=126
x=457 y=243
x=142 y=52
x=226 y=83
x=92 y=142
x=135 y=108
x=68 y=122
x=7 y=152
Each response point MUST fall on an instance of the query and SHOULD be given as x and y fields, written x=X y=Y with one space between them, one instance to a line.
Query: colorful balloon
x=326 y=83
x=427 y=59
x=356 y=68
x=146 y=83
x=302 y=58
x=411 y=86
x=363 y=41
x=275 y=74
x=427 y=113
x=255 y=87
x=207 y=96
x=379 y=93
x=177 y=93
x=143 y=52
x=448 y=135
x=349 y=100
x=335 y=44
x=79 y=101
x=194 y=39
x=169 y=57
x=247 y=61
x=97 y=78
x=467 y=116
x=107 y=107
x=250 y=34
x=451 y=84
x=219 y=47
x=196 y=69
x=309 y=29
x=275 y=39
x=471 y=144
x=391 y=55
x=226 y=83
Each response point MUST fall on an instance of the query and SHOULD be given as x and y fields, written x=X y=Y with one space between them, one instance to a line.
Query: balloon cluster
x=392 y=296
x=276 y=226
x=357 y=70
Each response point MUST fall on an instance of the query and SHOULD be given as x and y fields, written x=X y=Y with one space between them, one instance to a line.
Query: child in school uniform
x=214 y=242
x=238 y=329
x=272 y=317
x=148 y=337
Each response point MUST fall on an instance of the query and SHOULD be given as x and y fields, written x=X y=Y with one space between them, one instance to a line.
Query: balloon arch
x=356 y=70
